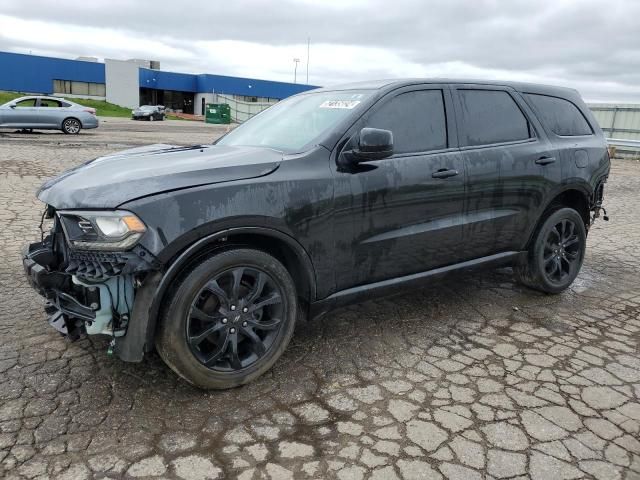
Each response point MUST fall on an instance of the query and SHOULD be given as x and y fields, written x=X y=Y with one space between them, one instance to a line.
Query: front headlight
x=101 y=230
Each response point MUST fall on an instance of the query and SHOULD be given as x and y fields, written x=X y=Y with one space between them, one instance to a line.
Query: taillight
x=92 y=111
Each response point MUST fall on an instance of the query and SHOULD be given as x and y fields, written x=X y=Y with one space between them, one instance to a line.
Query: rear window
x=491 y=116
x=561 y=116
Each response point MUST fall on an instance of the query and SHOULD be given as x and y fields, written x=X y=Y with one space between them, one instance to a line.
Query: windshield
x=297 y=121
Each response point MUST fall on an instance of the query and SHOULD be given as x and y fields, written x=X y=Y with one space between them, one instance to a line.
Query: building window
x=247 y=98
x=69 y=87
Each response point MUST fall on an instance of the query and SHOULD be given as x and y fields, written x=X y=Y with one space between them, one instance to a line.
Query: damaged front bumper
x=89 y=293
x=66 y=305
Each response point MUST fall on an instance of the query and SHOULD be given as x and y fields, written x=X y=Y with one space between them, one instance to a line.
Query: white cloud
x=72 y=40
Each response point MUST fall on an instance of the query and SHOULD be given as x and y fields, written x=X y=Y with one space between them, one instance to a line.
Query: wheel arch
x=283 y=247
x=574 y=197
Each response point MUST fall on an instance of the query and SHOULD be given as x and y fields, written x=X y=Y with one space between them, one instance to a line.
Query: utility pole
x=296 y=61
x=308 y=45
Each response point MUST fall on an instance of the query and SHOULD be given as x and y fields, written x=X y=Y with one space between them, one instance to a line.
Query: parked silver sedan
x=47 y=113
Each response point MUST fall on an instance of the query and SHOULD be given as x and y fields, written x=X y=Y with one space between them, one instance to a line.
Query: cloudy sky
x=591 y=45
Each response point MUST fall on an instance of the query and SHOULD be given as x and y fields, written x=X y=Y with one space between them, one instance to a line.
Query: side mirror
x=373 y=144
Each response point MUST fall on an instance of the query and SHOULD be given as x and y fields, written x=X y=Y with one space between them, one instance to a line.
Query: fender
x=143 y=338
x=581 y=185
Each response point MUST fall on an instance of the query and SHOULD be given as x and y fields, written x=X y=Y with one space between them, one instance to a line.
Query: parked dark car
x=148 y=112
x=213 y=252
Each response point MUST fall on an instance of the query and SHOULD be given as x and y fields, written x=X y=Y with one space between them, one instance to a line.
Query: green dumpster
x=218 y=113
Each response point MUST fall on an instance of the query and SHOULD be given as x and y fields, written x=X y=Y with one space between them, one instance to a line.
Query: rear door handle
x=545 y=160
x=444 y=173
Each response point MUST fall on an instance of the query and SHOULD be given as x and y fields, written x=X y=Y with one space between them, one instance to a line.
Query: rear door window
x=490 y=117
x=47 y=102
x=560 y=115
x=417 y=120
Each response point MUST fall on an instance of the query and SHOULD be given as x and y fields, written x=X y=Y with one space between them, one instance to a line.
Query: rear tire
x=229 y=319
x=556 y=253
x=71 y=126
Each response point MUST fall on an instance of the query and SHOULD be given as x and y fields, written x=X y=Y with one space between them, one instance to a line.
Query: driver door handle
x=444 y=173
x=545 y=160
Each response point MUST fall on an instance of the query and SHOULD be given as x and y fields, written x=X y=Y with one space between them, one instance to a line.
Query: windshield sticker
x=347 y=104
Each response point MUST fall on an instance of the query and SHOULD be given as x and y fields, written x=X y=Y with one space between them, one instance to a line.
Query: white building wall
x=197 y=102
x=122 y=83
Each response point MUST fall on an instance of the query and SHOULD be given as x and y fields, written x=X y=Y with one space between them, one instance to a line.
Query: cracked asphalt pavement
x=472 y=378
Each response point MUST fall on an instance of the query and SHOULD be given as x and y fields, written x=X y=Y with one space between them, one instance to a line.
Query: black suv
x=212 y=252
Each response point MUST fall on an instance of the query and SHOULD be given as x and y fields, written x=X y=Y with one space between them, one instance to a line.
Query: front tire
x=229 y=319
x=556 y=253
x=71 y=126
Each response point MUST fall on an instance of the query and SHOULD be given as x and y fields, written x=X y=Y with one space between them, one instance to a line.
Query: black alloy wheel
x=556 y=252
x=561 y=251
x=228 y=319
x=235 y=318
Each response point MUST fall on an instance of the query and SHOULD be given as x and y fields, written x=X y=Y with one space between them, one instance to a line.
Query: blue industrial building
x=132 y=82
x=33 y=74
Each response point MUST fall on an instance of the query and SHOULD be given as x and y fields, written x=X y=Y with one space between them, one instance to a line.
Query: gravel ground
x=475 y=378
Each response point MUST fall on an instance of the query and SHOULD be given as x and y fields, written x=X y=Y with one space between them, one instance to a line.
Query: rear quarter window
x=561 y=116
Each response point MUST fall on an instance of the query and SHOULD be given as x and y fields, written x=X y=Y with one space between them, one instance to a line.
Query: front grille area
x=96 y=265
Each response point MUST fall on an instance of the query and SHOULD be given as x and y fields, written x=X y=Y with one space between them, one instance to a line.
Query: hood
x=112 y=180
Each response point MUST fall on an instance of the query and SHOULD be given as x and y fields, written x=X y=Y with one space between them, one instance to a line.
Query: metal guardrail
x=624 y=148
x=620 y=108
x=624 y=143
